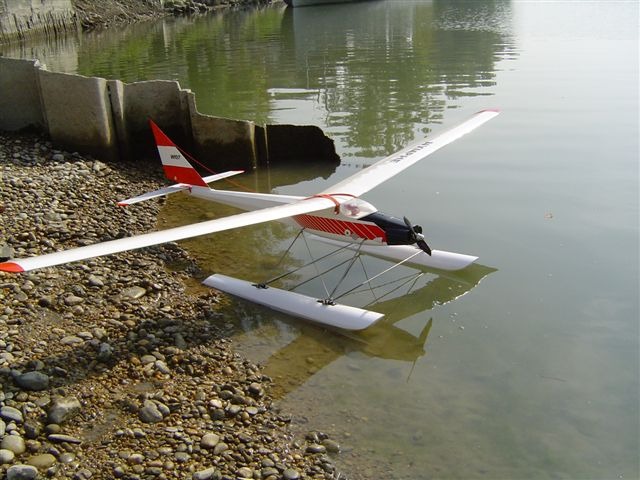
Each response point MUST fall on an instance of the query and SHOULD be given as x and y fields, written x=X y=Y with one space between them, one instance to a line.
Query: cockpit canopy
x=357 y=208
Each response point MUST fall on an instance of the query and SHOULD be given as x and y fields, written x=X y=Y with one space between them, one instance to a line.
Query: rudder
x=176 y=167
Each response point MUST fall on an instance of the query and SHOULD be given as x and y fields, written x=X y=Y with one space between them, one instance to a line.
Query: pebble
x=146 y=359
x=209 y=440
x=150 y=413
x=12 y=414
x=290 y=474
x=22 y=472
x=71 y=340
x=315 y=448
x=14 y=443
x=73 y=300
x=62 y=409
x=32 y=429
x=95 y=281
x=245 y=472
x=62 y=438
x=118 y=337
x=134 y=292
x=219 y=448
x=208 y=474
x=331 y=446
x=42 y=461
x=105 y=352
x=34 y=381
x=269 y=471
x=6 y=456
x=6 y=252
x=67 y=457
x=182 y=457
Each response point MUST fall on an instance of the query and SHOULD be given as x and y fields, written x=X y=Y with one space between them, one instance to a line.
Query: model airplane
x=337 y=214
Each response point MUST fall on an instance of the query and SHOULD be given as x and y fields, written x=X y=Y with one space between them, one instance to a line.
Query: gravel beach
x=109 y=368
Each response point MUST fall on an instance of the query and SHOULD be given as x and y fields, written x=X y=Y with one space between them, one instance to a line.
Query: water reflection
x=381 y=67
x=308 y=348
x=373 y=74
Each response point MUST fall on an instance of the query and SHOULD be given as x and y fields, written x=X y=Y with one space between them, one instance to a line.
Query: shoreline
x=103 y=14
x=110 y=368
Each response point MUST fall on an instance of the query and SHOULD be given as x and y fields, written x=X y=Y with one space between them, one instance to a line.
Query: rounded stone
x=32 y=429
x=245 y=472
x=209 y=440
x=147 y=359
x=220 y=447
x=331 y=446
x=22 y=472
x=315 y=448
x=67 y=457
x=61 y=438
x=34 y=381
x=136 y=459
x=208 y=474
x=6 y=456
x=269 y=471
x=11 y=414
x=290 y=474
x=44 y=460
x=182 y=457
x=15 y=443
x=149 y=413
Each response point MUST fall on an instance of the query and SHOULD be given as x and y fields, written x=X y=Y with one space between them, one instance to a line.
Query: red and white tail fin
x=176 y=167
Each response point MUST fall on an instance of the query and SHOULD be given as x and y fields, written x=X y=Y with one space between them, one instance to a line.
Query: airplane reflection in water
x=314 y=347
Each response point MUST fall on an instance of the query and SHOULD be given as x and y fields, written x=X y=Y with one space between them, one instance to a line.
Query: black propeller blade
x=417 y=237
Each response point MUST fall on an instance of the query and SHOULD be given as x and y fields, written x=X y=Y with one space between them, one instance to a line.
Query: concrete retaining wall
x=22 y=18
x=78 y=113
x=109 y=120
x=20 y=106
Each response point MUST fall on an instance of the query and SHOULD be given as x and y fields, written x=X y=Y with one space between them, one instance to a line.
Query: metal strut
x=369 y=280
x=266 y=283
x=356 y=255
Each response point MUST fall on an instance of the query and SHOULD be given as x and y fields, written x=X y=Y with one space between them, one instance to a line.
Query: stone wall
x=109 y=120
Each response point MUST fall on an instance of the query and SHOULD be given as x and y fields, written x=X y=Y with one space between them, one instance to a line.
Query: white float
x=296 y=304
x=439 y=259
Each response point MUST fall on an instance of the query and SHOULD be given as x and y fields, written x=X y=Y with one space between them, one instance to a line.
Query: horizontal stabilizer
x=296 y=304
x=175 y=188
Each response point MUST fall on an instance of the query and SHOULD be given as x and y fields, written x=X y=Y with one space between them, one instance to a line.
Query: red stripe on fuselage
x=183 y=175
x=368 y=231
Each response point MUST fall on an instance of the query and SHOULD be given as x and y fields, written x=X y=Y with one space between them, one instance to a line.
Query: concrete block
x=223 y=142
x=20 y=105
x=78 y=113
x=159 y=100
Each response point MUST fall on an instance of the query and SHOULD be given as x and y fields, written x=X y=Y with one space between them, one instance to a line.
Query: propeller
x=417 y=237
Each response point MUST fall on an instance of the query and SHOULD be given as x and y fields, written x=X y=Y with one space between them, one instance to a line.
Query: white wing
x=386 y=168
x=355 y=185
x=170 y=235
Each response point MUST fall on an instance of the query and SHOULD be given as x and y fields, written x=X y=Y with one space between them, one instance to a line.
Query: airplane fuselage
x=353 y=221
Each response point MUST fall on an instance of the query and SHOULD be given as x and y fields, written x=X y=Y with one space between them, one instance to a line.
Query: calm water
x=524 y=367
